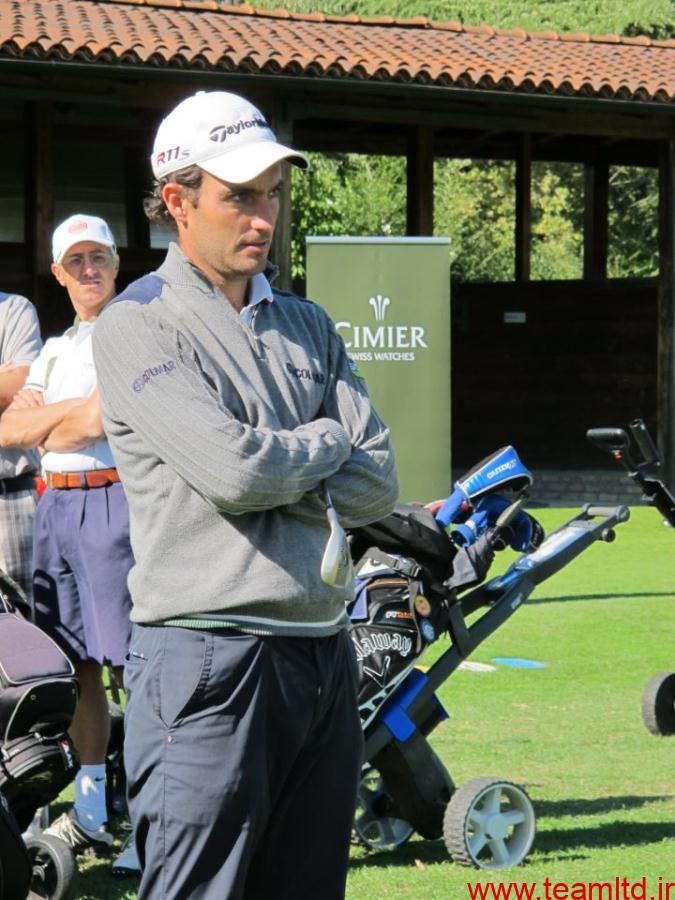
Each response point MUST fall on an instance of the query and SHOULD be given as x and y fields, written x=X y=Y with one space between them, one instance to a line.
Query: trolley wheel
x=54 y=869
x=489 y=824
x=658 y=704
x=374 y=825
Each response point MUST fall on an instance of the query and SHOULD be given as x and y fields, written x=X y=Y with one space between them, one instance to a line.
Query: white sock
x=90 y=797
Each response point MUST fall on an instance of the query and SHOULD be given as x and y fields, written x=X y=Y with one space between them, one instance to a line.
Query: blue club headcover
x=455 y=507
x=466 y=533
x=524 y=533
x=503 y=469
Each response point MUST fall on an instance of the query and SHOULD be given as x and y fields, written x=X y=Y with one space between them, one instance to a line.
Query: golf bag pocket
x=34 y=770
x=38 y=691
x=392 y=623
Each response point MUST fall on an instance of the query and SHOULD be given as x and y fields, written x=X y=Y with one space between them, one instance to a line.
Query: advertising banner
x=390 y=301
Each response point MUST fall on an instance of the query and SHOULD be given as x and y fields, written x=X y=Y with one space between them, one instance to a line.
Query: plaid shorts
x=17 y=512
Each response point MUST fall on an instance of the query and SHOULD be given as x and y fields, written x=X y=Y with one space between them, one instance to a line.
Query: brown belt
x=64 y=481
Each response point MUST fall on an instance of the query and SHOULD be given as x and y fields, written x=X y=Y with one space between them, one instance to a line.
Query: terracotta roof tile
x=201 y=33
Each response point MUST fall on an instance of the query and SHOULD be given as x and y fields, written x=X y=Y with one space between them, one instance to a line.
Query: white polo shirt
x=63 y=370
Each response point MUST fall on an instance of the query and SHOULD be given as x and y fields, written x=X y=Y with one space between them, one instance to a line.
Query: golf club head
x=336 y=564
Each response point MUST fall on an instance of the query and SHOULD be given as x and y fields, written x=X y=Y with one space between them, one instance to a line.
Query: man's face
x=229 y=232
x=88 y=271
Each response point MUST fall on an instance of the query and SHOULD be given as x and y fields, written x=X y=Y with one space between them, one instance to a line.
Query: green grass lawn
x=603 y=787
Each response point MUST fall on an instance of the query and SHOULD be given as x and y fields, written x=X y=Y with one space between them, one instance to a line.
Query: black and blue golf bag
x=409 y=564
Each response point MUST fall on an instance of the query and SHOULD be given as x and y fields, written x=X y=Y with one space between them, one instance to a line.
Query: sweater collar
x=180 y=273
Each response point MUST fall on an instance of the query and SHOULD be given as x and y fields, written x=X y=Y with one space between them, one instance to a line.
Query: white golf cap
x=80 y=228
x=221 y=133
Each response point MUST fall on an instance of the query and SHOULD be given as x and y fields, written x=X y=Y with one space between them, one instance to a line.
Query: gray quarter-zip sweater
x=223 y=433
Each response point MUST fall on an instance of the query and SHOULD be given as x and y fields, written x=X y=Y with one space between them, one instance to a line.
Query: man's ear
x=57 y=272
x=176 y=201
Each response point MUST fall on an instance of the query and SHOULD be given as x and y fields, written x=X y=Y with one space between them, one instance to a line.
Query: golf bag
x=400 y=606
x=409 y=566
x=38 y=696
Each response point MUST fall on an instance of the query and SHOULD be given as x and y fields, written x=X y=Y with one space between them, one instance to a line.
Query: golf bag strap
x=405 y=566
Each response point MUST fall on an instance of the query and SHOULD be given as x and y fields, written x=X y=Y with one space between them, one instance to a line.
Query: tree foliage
x=347 y=194
x=654 y=17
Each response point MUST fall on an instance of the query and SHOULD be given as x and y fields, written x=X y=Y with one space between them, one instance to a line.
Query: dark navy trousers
x=243 y=756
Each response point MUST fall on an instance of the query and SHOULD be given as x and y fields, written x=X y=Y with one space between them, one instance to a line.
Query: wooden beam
x=420 y=182
x=452 y=112
x=523 y=235
x=596 y=218
x=280 y=254
x=39 y=194
x=666 y=314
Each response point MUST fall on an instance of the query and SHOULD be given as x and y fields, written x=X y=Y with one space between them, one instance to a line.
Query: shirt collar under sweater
x=186 y=278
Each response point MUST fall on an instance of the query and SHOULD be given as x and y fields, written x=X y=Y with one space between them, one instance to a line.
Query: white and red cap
x=222 y=133
x=80 y=228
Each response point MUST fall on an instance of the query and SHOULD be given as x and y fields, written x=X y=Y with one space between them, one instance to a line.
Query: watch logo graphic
x=379 y=304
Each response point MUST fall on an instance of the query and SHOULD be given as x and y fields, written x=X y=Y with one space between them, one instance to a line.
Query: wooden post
x=420 y=182
x=39 y=195
x=596 y=218
x=137 y=185
x=280 y=253
x=666 y=311
x=523 y=236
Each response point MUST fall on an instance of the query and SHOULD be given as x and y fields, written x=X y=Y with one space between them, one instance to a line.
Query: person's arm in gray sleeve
x=21 y=344
x=150 y=383
x=365 y=488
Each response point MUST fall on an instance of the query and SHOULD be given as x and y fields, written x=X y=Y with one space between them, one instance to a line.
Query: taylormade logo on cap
x=222 y=133
x=79 y=228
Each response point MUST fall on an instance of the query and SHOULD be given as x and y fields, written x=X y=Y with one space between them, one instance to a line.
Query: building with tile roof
x=85 y=82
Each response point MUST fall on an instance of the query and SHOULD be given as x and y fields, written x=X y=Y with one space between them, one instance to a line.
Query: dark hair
x=190 y=179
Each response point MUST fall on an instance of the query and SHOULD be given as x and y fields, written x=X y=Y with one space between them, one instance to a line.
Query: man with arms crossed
x=81 y=554
x=229 y=406
x=20 y=343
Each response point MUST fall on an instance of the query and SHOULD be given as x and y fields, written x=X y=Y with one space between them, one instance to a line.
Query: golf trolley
x=412 y=586
x=640 y=458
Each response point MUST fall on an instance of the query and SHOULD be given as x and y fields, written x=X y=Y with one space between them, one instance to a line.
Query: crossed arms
x=64 y=427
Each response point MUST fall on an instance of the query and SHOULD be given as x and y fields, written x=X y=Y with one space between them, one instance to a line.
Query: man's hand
x=29 y=420
x=79 y=428
x=28 y=399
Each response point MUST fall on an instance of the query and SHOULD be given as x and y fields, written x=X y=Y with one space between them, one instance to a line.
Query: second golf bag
x=38 y=696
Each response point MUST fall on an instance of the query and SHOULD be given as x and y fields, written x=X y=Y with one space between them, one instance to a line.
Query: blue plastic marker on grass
x=517 y=663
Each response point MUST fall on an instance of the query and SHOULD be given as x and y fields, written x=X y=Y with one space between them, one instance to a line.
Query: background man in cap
x=81 y=552
x=229 y=406
x=20 y=343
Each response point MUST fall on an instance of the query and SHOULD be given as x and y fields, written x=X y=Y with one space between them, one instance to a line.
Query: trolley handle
x=617 y=513
x=644 y=442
